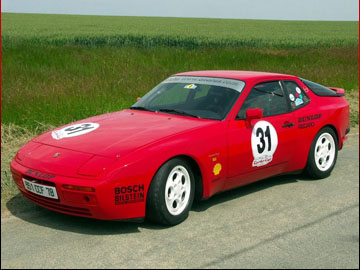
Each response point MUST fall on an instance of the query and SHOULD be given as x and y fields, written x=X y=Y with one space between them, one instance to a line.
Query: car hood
x=120 y=133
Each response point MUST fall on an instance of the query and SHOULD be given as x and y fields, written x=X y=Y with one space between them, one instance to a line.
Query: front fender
x=207 y=147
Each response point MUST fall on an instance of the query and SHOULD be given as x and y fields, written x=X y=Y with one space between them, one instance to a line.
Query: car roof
x=237 y=74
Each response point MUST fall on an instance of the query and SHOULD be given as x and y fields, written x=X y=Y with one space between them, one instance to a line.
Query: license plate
x=42 y=190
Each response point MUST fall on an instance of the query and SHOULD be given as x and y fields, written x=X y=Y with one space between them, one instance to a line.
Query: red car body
x=106 y=173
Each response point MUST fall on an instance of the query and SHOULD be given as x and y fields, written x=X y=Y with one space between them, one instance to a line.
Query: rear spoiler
x=339 y=91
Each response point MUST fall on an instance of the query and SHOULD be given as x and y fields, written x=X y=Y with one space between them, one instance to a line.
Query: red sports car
x=193 y=135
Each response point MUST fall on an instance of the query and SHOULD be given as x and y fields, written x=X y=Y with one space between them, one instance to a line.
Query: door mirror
x=252 y=114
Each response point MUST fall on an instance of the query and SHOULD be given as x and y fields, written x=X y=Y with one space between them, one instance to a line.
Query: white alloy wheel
x=177 y=190
x=324 y=152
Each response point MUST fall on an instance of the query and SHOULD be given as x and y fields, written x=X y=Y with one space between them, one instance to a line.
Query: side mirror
x=253 y=114
x=138 y=98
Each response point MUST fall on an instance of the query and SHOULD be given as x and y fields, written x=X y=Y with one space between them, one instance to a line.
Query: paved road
x=282 y=222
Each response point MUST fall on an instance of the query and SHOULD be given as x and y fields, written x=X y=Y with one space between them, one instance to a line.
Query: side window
x=267 y=96
x=296 y=96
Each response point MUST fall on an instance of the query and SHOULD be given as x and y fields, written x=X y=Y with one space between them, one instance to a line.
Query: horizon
x=169 y=17
x=282 y=10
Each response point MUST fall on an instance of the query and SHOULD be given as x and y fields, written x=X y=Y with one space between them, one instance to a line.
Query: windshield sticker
x=190 y=86
x=298 y=90
x=264 y=141
x=227 y=83
x=74 y=130
x=298 y=101
x=292 y=98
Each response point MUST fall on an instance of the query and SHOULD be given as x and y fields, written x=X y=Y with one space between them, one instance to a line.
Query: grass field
x=57 y=85
x=173 y=32
x=56 y=69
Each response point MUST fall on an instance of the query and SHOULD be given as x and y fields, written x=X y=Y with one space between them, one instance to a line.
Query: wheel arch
x=335 y=131
x=195 y=169
x=197 y=174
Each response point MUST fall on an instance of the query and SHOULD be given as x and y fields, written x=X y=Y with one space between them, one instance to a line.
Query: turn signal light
x=78 y=188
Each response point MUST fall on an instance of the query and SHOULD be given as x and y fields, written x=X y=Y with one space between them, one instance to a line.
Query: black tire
x=174 y=179
x=318 y=166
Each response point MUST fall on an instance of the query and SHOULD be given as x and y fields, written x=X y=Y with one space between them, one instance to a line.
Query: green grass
x=35 y=29
x=56 y=85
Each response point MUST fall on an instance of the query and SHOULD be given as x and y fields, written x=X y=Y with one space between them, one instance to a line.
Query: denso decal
x=39 y=174
x=129 y=194
x=74 y=130
x=264 y=141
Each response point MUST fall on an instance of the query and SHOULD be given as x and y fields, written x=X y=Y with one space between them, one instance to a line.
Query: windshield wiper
x=179 y=112
x=140 y=108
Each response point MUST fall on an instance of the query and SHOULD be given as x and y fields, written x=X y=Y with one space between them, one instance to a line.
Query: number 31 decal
x=264 y=142
x=74 y=130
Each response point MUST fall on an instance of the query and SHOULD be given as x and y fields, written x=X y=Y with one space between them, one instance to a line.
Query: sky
x=333 y=10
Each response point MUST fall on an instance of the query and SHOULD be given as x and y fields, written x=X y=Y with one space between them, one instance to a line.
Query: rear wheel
x=171 y=193
x=323 y=154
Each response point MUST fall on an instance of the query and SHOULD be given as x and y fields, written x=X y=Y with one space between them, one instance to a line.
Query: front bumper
x=100 y=204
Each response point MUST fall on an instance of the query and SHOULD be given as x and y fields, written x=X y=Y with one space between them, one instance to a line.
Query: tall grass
x=12 y=138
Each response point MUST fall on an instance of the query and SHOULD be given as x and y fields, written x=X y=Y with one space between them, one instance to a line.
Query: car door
x=261 y=147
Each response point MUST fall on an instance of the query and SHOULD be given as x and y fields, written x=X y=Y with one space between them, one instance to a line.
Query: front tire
x=323 y=154
x=171 y=193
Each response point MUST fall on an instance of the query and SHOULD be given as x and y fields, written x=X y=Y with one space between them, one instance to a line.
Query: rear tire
x=323 y=154
x=171 y=193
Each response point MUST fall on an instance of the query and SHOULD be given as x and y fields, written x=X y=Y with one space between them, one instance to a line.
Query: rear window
x=319 y=89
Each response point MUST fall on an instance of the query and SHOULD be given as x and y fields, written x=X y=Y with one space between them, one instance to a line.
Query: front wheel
x=323 y=154
x=171 y=193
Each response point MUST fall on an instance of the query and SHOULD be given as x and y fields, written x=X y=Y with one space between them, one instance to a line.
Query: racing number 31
x=264 y=141
x=260 y=133
x=74 y=130
x=79 y=128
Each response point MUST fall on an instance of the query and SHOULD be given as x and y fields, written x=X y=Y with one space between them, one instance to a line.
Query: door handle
x=287 y=124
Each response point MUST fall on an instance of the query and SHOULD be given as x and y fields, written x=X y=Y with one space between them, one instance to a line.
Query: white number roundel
x=264 y=142
x=74 y=130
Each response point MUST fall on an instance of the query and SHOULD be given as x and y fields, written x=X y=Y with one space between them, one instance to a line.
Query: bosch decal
x=129 y=194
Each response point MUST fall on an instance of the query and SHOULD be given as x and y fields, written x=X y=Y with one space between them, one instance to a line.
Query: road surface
x=281 y=222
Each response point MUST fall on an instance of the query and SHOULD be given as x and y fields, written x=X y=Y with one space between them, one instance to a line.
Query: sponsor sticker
x=190 y=86
x=298 y=101
x=309 y=120
x=129 y=194
x=264 y=141
x=227 y=83
x=291 y=97
x=36 y=174
x=74 y=130
x=217 y=169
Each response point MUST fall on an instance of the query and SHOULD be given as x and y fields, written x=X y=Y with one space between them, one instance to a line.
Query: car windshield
x=200 y=97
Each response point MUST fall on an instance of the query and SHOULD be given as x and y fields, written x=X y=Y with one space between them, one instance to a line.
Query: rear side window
x=267 y=96
x=319 y=89
x=296 y=96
